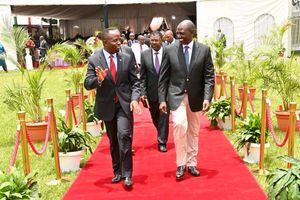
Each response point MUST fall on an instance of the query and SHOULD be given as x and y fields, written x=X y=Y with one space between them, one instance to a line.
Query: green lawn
x=44 y=165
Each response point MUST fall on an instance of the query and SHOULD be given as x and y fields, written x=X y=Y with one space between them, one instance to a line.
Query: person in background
x=31 y=46
x=187 y=81
x=131 y=40
x=2 y=57
x=150 y=67
x=170 y=37
x=43 y=47
x=112 y=74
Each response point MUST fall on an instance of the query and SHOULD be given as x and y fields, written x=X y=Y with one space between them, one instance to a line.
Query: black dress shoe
x=180 y=172
x=193 y=171
x=162 y=148
x=117 y=178
x=127 y=182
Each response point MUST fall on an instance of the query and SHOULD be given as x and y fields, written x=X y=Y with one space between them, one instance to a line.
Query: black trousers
x=160 y=121
x=119 y=132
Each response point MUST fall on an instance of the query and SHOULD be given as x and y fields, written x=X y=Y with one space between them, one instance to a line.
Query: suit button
x=187 y=79
x=185 y=91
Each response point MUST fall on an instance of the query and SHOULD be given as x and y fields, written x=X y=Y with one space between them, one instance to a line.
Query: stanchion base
x=261 y=172
x=58 y=182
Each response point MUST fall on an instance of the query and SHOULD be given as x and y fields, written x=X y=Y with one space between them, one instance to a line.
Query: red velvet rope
x=251 y=102
x=16 y=148
x=37 y=152
x=270 y=127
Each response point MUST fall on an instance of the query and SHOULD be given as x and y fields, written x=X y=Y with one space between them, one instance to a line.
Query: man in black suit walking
x=150 y=67
x=187 y=81
x=112 y=73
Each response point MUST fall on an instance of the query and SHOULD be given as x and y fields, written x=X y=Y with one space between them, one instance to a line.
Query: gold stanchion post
x=222 y=86
x=69 y=111
x=54 y=138
x=245 y=99
x=292 y=121
x=232 y=103
x=93 y=95
x=83 y=115
x=263 y=131
x=26 y=165
x=215 y=88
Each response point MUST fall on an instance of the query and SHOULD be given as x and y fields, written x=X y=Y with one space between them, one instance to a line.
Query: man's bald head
x=185 y=31
x=187 y=25
x=169 y=36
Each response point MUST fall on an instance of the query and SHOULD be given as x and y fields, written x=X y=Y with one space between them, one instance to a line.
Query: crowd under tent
x=239 y=20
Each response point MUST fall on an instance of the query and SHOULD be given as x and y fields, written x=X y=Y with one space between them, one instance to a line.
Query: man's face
x=131 y=36
x=155 y=42
x=184 y=35
x=169 y=37
x=141 y=40
x=113 y=42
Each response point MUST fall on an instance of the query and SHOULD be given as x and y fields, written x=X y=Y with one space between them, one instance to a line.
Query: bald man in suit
x=187 y=81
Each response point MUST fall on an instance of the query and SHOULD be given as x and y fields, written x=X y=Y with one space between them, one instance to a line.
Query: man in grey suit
x=112 y=73
x=187 y=81
x=150 y=66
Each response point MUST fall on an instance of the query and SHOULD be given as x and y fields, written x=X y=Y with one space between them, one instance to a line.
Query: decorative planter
x=94 y=128
x=70 y=161
x=37 y=131
x=75 y=98
x=224 y=125
x=283 y=120
x=251 y=89
x=254 y=153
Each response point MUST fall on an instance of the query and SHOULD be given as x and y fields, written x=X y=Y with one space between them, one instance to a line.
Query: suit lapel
x=120 y=65
x=195 y=52
x=181 y=57
x=151 y=61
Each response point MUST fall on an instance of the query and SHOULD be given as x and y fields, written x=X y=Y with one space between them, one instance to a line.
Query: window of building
x=296 y=34
x=226 y=26
x=262 y=26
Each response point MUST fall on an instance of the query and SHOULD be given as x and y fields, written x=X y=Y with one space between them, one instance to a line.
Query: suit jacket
x=175 y=80
x=149 y=76
x=127 y=86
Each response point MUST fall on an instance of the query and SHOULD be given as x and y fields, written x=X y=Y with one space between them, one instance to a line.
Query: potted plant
x=93 y=125
x=219 y=113
x=277 y=72
x=71 y=145
x=16 y=185
x=285 y=183
x=27 y=94
x=73 y=56
x=248 y=134
x=243 y=68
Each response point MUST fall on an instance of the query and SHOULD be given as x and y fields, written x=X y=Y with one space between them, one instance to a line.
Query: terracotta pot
x=37 y=131
x=283 y=120
x=251 y=89
x=75 y=98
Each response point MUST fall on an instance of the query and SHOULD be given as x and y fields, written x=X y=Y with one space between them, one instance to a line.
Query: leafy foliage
x=284 y=184
x=249 y=131
x=220 y=108
x=72 y=139
x=16 y=185
x=89 y=110
x=276 y=72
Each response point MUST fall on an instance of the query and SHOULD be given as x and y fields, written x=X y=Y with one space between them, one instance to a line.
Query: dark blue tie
x=157 y=65
x=187 y=57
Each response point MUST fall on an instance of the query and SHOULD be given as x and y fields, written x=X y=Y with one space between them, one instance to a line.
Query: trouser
x=160 y=121
x=186 y=125
x=119 y=131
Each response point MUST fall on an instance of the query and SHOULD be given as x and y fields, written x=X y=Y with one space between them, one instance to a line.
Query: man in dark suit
x=112 y=73
x=187 y=81
x=150 y=66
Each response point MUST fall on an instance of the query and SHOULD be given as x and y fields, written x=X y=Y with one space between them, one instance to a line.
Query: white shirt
x=160 y=51
x=190 y=49
x=107 y=58
x=136 y=48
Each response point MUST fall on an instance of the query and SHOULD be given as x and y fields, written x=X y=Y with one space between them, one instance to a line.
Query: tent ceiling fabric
x=115 y=11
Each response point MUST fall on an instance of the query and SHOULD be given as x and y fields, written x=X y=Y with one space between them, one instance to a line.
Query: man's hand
x=163 y=107
x=134 y=106
x=101 y=74
x=145 y=101
x=206 y=105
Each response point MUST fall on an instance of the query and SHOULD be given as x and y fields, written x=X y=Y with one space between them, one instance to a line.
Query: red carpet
x=223 y=173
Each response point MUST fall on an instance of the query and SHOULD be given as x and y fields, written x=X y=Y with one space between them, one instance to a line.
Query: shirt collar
x=159 y=51
x=107 y=55
x=190 y=45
